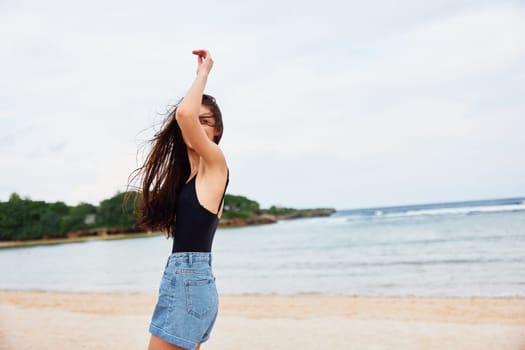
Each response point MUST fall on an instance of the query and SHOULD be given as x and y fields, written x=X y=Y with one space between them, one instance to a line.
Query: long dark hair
x=166 y=169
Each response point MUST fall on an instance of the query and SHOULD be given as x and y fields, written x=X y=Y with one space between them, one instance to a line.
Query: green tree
x=239 y=207
x=273 y=210
x=76 y=217
x=114 y=212
x=27 y=219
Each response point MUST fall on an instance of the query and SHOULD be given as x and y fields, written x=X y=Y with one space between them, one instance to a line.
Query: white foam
x=438 y=211
x=460 y=210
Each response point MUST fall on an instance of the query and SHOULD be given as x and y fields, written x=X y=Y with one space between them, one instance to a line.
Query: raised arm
x=187 y=113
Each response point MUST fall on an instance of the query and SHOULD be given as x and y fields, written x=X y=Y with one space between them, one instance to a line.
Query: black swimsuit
x=195 y=225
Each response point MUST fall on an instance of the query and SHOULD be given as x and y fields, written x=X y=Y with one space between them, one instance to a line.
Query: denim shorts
x=188 y=302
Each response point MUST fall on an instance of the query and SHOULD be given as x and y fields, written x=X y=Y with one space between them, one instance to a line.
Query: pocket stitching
x=189 y=304
x=191 y=271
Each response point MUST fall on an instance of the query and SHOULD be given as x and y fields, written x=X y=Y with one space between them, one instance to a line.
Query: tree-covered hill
x=26 y=219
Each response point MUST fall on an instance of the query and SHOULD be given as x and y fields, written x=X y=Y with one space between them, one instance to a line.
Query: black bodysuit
x=195 y=225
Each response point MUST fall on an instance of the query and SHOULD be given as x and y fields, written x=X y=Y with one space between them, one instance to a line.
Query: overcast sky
x=344 y=104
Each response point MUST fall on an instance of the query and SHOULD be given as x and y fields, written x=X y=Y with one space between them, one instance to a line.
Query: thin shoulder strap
x=227 y=181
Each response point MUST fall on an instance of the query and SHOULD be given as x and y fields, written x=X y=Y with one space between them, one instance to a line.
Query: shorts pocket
x=200 y=296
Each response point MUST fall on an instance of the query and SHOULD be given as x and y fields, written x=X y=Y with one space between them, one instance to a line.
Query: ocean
x=474 y=248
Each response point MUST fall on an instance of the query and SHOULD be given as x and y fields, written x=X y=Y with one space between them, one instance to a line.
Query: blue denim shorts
x=188 y=302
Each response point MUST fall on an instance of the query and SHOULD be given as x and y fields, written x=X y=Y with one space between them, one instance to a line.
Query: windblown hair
x=165 y=171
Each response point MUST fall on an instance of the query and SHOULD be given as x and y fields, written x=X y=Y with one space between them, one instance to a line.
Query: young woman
x=184 y=181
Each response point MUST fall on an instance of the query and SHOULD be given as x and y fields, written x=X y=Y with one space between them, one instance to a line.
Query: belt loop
x=190 y=259
x=210 y=260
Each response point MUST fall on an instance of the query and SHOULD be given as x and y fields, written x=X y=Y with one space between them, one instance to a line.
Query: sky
x=343 y=104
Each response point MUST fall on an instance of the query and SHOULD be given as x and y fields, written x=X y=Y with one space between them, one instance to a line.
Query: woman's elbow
x=180 y=114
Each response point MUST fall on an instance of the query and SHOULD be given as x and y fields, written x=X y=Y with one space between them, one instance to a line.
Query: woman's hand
x=205 y=62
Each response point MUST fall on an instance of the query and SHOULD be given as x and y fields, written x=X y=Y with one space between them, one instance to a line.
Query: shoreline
x=284 y=295
x=263 y=219
x=50 y=241
x=508 y=310
x=45 y=320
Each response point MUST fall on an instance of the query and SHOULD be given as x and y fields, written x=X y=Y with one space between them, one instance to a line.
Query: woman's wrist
x=203 y=73
x=201 y=80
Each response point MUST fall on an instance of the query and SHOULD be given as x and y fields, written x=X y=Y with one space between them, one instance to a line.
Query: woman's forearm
x=190 y=104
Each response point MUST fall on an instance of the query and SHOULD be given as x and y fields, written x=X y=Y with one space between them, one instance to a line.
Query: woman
x=184 y=181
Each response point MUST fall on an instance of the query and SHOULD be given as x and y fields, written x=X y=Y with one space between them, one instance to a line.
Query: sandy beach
x=52 y=320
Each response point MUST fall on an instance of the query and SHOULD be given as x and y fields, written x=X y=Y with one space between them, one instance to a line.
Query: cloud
x=460 y=46
x=339 y=103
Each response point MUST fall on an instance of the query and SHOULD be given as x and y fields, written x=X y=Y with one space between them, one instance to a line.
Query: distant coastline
x=270 y=218
x=110 y=234
x=45 y=241
x=24 y=221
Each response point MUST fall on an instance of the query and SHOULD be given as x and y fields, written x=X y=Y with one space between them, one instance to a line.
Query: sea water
x=451 y=249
